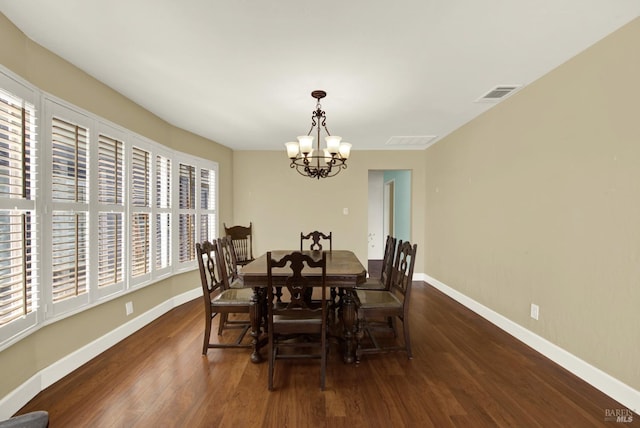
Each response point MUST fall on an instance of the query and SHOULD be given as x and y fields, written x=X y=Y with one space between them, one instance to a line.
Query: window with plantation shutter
x=111 y=216
x=140 y=171
x=93 y=209
x=17 y=214
x=110 y=249
x=69 y=225
x=69 y=148
x=16 y=270
x=140 y=202
x=187 y=217
x=110 y=170
x=69 y=254
x=207 y=204
x=140 y=244
x=163 y=212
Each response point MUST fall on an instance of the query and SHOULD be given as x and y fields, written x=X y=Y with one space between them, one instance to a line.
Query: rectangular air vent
x=498 y=93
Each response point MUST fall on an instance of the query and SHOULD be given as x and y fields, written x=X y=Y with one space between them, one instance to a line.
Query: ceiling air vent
x=411 y=142
x=498 y=93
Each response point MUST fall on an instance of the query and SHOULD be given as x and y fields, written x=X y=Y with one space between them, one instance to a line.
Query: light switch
x=345 y=211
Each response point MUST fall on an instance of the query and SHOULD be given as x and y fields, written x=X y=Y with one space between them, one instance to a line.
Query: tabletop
x=343 y=269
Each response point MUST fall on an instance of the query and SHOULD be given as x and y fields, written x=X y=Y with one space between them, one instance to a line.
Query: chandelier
x=316 y=163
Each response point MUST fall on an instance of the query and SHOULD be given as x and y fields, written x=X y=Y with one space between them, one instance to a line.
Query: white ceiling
x=240 y=72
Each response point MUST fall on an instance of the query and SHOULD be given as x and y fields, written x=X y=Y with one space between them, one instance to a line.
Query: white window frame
x=20 y=90
x=198 y=163
x=57 y=109
x=46 y=107
x=160 y=273
x=96 y=208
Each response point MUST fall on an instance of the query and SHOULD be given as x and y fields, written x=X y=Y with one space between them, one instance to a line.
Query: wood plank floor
x=465 y=373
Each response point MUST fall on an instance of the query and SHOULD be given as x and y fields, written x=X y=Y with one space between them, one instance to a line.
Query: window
x=186 y=218
x=111 y=212
x=68 y=156
x=163 y=213
x=140 y=202
x=207 y=204
x=110 y=221
x=18 y=285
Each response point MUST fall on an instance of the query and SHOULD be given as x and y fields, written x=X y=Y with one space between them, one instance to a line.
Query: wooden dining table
x=344 y=272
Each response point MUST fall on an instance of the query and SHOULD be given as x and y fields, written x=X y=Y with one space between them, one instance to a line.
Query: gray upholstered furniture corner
x=38 y=419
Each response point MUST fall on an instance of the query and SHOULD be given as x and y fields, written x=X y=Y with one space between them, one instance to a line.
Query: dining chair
x=230 y=259
x=242 y=238
x=383 y=281
x=219 y=299
x=372 y=305
x=297 y=323
x=315 y=238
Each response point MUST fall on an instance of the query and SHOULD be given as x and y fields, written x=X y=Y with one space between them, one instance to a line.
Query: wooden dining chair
x=297 y=323
x=242 y=238
x=230 y=259
x=219 y=299
x=374 y=305
x=316 y=238
x=383 y=281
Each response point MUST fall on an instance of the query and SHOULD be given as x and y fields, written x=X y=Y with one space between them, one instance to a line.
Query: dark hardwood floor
x=465 y=373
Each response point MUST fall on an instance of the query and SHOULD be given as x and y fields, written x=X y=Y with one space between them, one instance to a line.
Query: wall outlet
x=129 y=308
x=535 y=311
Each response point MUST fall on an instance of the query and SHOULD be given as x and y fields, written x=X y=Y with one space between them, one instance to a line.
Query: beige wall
x=538 y=200
x=281 y=203
x=535 y=201
x=56 y=76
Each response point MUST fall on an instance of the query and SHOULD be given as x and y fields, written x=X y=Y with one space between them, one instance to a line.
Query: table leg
x=348 y=312
x=255 y=314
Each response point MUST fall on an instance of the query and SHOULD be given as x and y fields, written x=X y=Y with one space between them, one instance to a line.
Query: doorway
x=389 y=209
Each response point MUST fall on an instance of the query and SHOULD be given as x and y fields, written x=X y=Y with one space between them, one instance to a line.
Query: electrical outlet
x=535 y=311
x=129 y=308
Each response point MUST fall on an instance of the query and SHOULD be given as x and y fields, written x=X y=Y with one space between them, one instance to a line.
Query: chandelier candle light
x=316 y=163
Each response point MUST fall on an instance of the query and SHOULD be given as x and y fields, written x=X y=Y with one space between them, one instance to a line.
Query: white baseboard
x=604 y=382
x=20 y=396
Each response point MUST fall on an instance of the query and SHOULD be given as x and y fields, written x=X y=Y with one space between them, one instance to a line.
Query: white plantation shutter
x=110 y=170
x=69 y=225
x=163 y=213
x=140 y=202
x=140 y=244
x=17 y=126
x=140 y=170
x=91 y=207
x=17 y=207
x=69 y=161
x=110 y=249
x=16 y=269
x=207 y=204
x=187 y=217
x=69 y=255
x=111 y=215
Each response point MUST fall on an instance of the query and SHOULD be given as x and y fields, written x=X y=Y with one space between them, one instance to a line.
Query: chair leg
x=223 y=320
x=272 y=357
x=323 y=361
x=207 y=335
x=407 y=336
x=359 y=336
